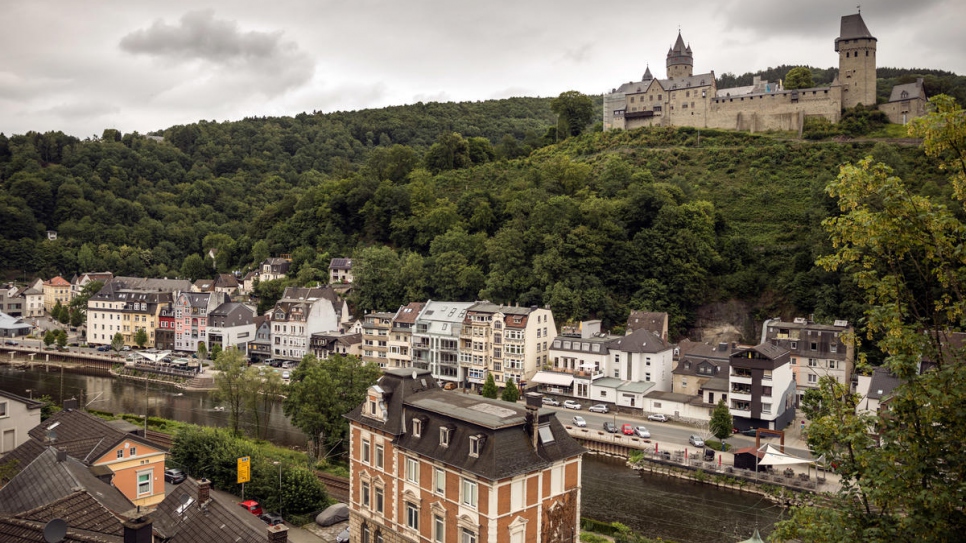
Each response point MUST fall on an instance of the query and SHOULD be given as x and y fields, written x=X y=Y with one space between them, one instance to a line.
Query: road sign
x=244 y=469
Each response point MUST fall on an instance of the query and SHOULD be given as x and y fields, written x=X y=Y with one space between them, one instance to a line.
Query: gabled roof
x=913 y=90
x=81 y=511
x=15 y=530
x=28 y=403
x=204 y=285
x=84 y=436
x=226 y=280
x=767 y=350
x=882 y=384
x=639 y=341
x=58 y=282
x=340 y=264
x=655 y=322
x=407 y=314
x=217 y=522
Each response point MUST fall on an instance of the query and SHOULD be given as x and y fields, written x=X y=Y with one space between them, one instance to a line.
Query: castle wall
x=774 y=111
x=613 y=102
x=903 y=111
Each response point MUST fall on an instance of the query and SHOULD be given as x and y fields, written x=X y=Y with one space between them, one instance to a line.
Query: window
x=379 y=456
x=3 y=409
x=766 y=408
x=120 y=453
x=831 y=364
x=466 y=536
x=144 y=482
x=766 y=376
x=469 y=493
x=412 y=470
x=814 y=346
x=475 y=446
x=412 y=516
x=812 y=378
x=379 y=500
x=812 y=363
x=365 y=494
x=833 y=347
x=365 y=451
x=417 y=427
x=439 y=529
x=444 y=437
x=133 y=451
x=647 y=361
x=440 y=480
x=647 y=376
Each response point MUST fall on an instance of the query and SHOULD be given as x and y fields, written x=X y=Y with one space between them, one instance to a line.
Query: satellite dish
x=414 y=375
x=184 y=499
x=55 y=530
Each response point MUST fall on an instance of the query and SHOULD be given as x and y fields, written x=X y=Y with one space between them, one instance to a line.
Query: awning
x=773 y=457
x=553 y=378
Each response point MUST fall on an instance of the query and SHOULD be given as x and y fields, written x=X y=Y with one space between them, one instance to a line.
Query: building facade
x=401 y=336
x=231 y=324
x=817 y=350
x=436 y=339
x=191 y=311
x=57 y=290
x=375 y=337
x=17 y=416
x=429 y=465
x=126 y=304
x=762 y=391
x=300 y=313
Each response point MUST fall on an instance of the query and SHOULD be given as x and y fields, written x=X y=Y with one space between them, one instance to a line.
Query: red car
x=252 y=506
x=627 y=429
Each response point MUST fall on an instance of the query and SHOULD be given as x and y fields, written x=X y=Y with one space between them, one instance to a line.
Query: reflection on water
x=672 y=509
x=105 y=393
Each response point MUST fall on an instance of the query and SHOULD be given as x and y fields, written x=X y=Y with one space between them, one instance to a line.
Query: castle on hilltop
x=686 y=99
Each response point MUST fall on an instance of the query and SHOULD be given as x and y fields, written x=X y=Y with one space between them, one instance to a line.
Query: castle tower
x=680 y=61
x=856 y=48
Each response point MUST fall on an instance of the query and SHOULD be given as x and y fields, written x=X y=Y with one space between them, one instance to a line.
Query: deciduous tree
x=141 y=337
x=574 y=112
x=230 y=367
x=799 y=78
x=721 y=423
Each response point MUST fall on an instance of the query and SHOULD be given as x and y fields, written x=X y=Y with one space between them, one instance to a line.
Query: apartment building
x=300 y=313
x=429 y=465
x=816 y=350
x=231 y=324
x=436 y=340
x=401 y=335
x=126 y=304
x=57 y=290
x=326 y=344
x=762 y=387
x=191 y=311
x=375 y=337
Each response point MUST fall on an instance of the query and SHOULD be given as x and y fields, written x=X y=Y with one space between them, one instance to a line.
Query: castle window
x=687 y=94
x=632 y=99
x=846 y=54
x=866 y=53
x=692 y=104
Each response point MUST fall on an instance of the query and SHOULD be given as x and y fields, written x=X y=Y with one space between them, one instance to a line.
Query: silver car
x=696 y=441
x=642 y=432
x=579 y=422
x=570 y=404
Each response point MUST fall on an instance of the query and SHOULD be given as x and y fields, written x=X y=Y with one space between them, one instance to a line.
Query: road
x=673 y=432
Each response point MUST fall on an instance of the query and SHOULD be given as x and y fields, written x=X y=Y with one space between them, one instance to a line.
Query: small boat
x=219 y=408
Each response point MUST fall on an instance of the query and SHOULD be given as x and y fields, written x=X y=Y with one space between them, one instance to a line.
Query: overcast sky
x=81 y=67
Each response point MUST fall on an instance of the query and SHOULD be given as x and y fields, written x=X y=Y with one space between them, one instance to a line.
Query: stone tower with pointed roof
x=856 y=48
x=680 y=61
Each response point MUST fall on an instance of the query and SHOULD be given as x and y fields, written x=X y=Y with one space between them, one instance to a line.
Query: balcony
x=741 y=396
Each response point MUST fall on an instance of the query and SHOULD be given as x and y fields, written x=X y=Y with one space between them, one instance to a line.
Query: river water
x=652 y=505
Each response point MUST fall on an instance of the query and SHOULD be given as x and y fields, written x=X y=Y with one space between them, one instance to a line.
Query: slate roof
x=639 y=341
x=84 y=436
x=506 y=448
x=231 y=314
x=226 y=280
x=655 y=322
x=913 y=91
x=45 y=479
x=14 y=530
x=882 y=384
x=204 y=285
x=140 y=284
x=30 y=404
x=720 y=383
x=81 y=511
x=340 y=264
x=218 y=522
x=853 y=27
x=767 y=350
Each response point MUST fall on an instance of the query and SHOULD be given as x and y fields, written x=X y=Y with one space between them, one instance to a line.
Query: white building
x=300 y=313
x=231 y=324
x=436 y=340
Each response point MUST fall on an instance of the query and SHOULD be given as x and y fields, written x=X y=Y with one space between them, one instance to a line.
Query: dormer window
x=476 y=445
x=417 y=427
x=444 y=436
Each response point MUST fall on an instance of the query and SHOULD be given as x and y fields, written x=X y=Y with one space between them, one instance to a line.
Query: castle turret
x=680 y=61
x=856 y=48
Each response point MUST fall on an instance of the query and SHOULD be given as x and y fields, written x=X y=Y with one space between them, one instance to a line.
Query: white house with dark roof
x=817 y=350
x=430 y=465
x=300 y=313
x=17 y=416
x=340 y=270
x=231 y=324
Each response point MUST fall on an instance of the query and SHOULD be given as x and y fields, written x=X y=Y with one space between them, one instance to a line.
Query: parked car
x=126 y=348
x=104 y=348
x=696 y=441
x=271 y=518
x=548 y=400
x=579 y=422
x=627 y=429
x=657 y=417
x=174 y=476
x=286 y=375
x=610 y=427
x=599 y=408
x=10 y=342
x=252 y=506
x=570 y=404
x=343 y=536
x=642 y=432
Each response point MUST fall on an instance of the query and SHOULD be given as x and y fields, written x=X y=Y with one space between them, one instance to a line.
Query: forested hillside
x=448 y=201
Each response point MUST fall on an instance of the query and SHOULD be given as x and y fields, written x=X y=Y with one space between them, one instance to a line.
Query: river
x=653 y=505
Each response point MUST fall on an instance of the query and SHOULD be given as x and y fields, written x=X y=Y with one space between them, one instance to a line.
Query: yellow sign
x=244 y=469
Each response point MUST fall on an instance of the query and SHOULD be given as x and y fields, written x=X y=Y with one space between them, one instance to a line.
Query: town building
x=653 y=321
x=688 y=99
x=300 y=313
x=874 y=389
x=401 y=336
x=164 y=334
x=191 y=311
x=816 y=350
x=260 y=349
x=430 y=465
x=126 y=304
x=78 y=282
x=231 y=325
x=57 y=290
x=375 y=337
x=436 y=341
x=578 y=358
x=324 y=345
x=699 y=363
x=17 y=416
x=33 y=302
x=506 y=341
x=762 y=391
x=340 y=270
x=12 y=301
x=11 y=327
x=906 y=102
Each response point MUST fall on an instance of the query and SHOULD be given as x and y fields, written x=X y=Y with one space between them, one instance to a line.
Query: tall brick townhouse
x=429 y=465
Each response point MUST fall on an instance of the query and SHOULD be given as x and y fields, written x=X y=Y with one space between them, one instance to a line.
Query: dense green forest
x=449 y=201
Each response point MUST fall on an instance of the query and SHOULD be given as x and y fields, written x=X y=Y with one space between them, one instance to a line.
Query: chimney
x=277 y=533
x=138 y=530
x=71 y=403
x=61 y=455
x=204 y=491
x=534 y=402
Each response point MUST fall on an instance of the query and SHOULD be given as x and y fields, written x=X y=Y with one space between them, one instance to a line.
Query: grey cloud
x=82 y=110
x=579 y=54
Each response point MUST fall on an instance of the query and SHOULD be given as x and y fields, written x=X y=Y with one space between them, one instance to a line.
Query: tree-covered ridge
x=598 y=224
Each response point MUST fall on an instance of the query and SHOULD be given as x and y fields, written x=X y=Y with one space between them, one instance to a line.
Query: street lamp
x=279 y=464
